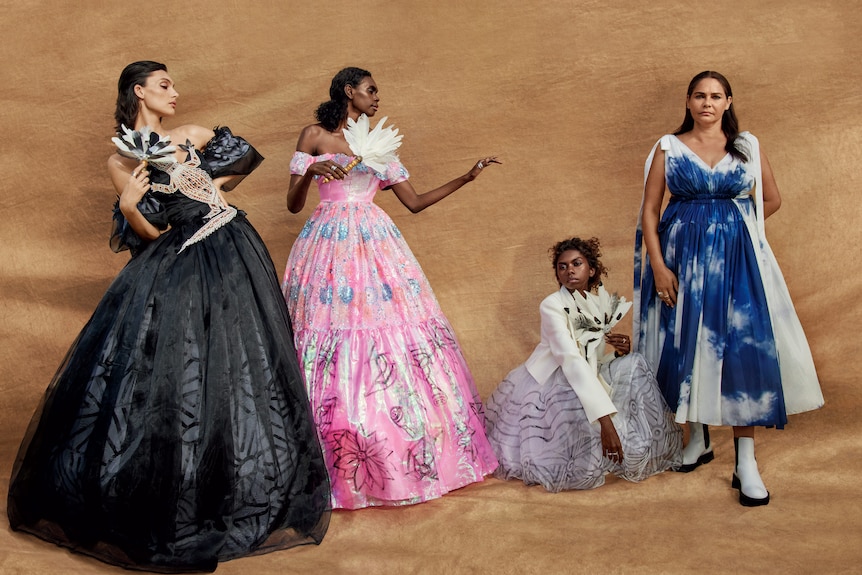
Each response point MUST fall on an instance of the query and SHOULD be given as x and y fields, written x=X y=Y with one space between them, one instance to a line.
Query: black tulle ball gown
x=177 y=432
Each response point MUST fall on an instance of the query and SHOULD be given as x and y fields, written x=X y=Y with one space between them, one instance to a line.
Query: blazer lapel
x=567 y=302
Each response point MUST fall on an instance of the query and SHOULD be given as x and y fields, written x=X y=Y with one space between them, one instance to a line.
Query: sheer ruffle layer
x=542 y=436
x=177 y=432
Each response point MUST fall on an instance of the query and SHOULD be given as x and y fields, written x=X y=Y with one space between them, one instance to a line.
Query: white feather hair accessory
x=145 y=146
x=376 y=147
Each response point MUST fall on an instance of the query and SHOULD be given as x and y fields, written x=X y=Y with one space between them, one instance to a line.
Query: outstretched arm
x=418 y=202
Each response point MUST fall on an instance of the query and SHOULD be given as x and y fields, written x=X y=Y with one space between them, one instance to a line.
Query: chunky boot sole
x=702 y=460
x=744 y=499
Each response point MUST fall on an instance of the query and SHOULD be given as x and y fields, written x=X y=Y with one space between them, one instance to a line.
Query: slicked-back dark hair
x=729 y=122
x=331 y=112
x=135 y=74
x=591 y=249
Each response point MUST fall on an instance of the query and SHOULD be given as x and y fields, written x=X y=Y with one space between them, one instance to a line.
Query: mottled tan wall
x=572 y=95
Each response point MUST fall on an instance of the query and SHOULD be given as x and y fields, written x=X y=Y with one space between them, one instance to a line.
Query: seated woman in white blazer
x=570 y=414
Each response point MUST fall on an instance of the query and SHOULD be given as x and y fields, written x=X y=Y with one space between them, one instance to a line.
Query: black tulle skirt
x=177 y=432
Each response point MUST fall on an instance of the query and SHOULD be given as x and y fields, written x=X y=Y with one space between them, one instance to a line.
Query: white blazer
x=559 y=348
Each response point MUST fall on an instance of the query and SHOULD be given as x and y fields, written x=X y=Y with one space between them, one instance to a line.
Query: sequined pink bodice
x=361 y=183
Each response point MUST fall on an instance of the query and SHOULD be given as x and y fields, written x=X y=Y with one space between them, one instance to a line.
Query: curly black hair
x=331 y=112
x=591 y=249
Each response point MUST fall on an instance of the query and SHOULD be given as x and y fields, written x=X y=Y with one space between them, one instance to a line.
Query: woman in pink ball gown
x=395 y=404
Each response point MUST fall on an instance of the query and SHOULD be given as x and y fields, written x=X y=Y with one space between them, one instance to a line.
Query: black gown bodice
x=165 y=205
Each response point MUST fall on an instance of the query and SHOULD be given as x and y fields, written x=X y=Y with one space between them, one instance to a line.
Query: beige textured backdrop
x=572 y=94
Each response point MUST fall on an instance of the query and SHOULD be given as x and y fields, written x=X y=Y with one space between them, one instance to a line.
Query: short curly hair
x=591 y=249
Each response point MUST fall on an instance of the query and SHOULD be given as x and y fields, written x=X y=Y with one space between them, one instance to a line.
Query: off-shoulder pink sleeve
x=300 y=162
x=395 y=173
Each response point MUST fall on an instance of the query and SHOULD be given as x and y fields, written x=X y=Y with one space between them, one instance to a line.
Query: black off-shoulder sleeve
x=229 y=155
x=123 y=237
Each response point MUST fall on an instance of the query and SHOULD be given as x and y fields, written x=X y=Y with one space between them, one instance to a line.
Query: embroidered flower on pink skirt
x=360 y=459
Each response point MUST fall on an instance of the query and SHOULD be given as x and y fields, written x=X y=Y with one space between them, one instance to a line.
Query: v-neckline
x=701 y=160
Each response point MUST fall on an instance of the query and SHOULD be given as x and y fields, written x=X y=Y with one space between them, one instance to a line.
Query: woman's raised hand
x=137 y=186
x=480 y=166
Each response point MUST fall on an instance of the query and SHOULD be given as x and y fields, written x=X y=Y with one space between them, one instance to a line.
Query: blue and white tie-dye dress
x=732 y=351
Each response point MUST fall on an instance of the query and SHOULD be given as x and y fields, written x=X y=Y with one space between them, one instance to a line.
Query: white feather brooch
x=598 y=314
x=376 y=147
x=145 y=146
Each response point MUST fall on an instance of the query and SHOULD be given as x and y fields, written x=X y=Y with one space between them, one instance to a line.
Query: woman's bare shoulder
x=197 y=135
x=310 y=138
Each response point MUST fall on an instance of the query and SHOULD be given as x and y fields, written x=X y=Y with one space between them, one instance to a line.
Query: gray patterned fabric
x=542 y=436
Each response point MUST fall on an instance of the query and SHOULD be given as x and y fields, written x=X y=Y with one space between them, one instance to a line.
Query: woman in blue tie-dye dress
x=715 y=318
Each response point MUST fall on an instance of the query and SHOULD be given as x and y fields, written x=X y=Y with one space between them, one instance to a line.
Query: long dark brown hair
x=729 y=122
x=135 y=74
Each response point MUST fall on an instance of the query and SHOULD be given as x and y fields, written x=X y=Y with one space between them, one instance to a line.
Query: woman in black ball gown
x=177 y=432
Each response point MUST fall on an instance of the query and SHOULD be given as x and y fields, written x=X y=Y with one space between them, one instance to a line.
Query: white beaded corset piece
x=192 y=181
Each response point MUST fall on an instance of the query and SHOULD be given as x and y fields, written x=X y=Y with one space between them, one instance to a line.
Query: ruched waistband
x=700 y=200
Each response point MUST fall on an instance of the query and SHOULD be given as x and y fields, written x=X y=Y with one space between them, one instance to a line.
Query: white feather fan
x=599 y=313
x=376 y=147
x=145 y=146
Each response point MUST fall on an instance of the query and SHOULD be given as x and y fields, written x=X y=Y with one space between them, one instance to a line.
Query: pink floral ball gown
x=395 y=404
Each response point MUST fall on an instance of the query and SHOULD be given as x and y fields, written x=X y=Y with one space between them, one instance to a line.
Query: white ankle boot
x=746 y=477
x=698 y=450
